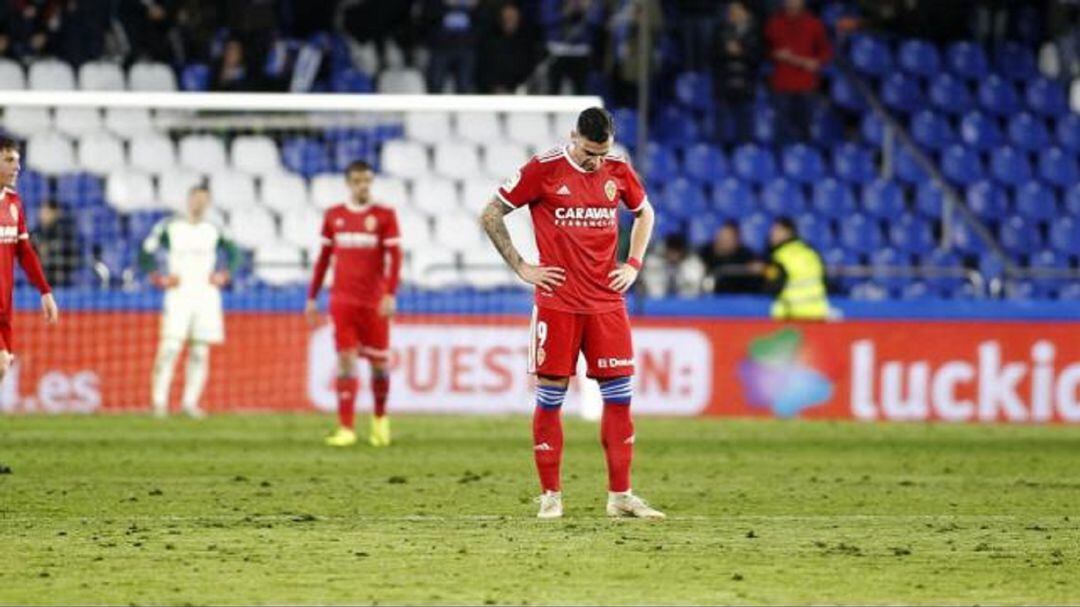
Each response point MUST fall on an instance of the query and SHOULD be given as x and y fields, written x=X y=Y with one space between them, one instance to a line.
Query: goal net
x=101 y=169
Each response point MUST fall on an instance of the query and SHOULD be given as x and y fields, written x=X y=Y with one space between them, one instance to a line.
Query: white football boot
x=628 y=505
x=550 y=505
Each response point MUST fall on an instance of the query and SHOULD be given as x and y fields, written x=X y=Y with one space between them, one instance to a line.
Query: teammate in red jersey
x=362 y=236
x=573 y=194
x=15 y=245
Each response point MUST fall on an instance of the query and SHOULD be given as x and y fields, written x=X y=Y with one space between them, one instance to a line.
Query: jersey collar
x=350 y=205
x=566 y=154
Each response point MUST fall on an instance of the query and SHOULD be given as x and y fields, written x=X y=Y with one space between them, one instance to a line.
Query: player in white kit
x=192 y=284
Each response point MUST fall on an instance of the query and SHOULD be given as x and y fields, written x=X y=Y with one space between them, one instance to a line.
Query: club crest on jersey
x=611 y=189
x=541 y=355
x=370 y=223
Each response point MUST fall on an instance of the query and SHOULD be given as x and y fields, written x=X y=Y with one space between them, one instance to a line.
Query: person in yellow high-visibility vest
x=797 y=274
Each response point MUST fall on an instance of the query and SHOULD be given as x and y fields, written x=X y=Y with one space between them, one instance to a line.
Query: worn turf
x=123 y=509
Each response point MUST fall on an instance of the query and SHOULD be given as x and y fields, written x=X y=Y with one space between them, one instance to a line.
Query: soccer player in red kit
x=15 y=245
x=573 y=194
x=362 y=236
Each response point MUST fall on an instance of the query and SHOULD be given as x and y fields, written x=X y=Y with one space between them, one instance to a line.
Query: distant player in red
x=362 y=236
x=15 y=245
x=573 y=193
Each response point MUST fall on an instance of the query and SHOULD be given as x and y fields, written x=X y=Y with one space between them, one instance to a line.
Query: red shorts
x=361 y=328
x=7 y=336
x=557 y=337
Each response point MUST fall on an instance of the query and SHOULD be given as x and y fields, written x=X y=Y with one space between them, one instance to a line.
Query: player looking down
x=573 y=194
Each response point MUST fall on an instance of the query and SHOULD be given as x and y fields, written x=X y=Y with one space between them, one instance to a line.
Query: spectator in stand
x=35 y=27
x=570 y=48
x=697 y=24
x=57 y=244
x=7 y=47
x=732 y=267
x=736 y=58
x=82 y=32
x=452 y=42
x=799 y=49
x=675 y=271
x=150 y=26
x=623 y=57
x=198 y=22
x=381 y=22
x=231 y=73
x=508 y=54
x=254 y=23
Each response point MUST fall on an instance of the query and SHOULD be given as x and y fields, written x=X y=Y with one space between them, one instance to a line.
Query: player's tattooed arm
x=545 y=277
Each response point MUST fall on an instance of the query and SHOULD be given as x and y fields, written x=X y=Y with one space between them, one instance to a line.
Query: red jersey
x=15 y=245
x=360 y=237
x=575 y=217
x=804 y=35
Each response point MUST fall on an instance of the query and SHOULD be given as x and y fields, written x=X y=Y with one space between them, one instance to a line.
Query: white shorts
x=194 y=316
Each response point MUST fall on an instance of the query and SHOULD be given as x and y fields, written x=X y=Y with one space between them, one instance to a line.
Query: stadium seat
x=195 y=78
x=860 y=234
x=128 y=122
x=477 y=192
x=693 y=91
x=483 y=269
x=845 y=94
x=76 y=190
x=1009 y=165
x=763 y=125
x=406 y=159
x=141 y=223
x=884 y=265
x=25 y=122
x=128 y=190
x=1046 y=97
x=351 y=80
x=457 y=232
x=457 y=159
x=1068 y=132
x=870 y=55
x=1016 y=61
x=428 y=127
x=854 y=163
x=282 y=192
x=1028 y=132
x=277 y=264
x=1018 y=236
x=174 y=185
x=783 y=196
x=478 y=127
x=100 y=153
x=907 y=168
x=99 y=225
x=202 y=153
x=434 y=267
x=152 y=153
x=754 y=229
x=826 y=128
x=50 y=153
x=415 y=227
x=980 y=130
x=961 y=165
x=12 y=77
x=754 y=163
x=1072 y=200
x=349 y=148
x=803 y=163
x=911 y=234
x=1058 y=167
x=502 y=159
x=401 y=82
x=815 y=231
x=77 y=121
x=435 y=196
x=328 y=189
x=685 y=198
x=872 y=129
x=252 y=226
x=626 y=123
x=532 y=129
x=151 y=77
x=988 y=200
x=232 y=190
x=967 y=60
x=998 y=96
x=661 y=163
x=734 y=198
x=901 y=92
x=1065 y=236
x=705 y=163
x=965 y=240
x=255 y=155
x=833 y=199
x=51 y=75
x=1036 y=202
x=950 y=94
x=919 y=58
x=883 y=199
x=101 y=76
x=301 y=226
x=1052 y=263
x=702 y=230
x=932 y=130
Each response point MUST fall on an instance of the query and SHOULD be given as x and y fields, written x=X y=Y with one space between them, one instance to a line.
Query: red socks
x=548 y=435
x=346 y=401
x=380 y=388
x=617 y=432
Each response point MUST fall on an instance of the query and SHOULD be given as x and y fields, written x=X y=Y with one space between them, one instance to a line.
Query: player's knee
x=6 y=359
x=198 y=352
x=545 y=380
x=347 y=363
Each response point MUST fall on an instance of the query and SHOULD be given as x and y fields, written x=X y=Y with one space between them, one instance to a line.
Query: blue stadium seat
x=901 y=92
x=1068 y=132
x=911 y=234
x=1028 y=132
x=783 y=197
x=734 y=198
x=1036 y=202
x=932 y=130
x=908 y=169
x=348 y=150
x=1020 y=290
x=1016 y=61
x=1046 y=97
x=1069 y=292
x=702 y=230
x=1047 y=260
x=1072 y=200
x=1019 y=236
x=961 y=165
x=1010 y=165
x=98 y=225
x=677 y=127
x=964 y=239
x=919 y=58
x=833 y=198
x=883 y=198
x=141 y=222
x=1058 y=167
x=755 y=230
x=764 y=127
x=195 y=77
x=845 y=95
x=33 y=187
x=915 y=290
x=870 y=55
x=932 y=266
x=861 y=234
x=967 y=60
x=872 y=129
x=840 y=256
x=803 y=163
x=705 y=163
x=78 y=190
x=661 y=163
x=854 y=163
x=626 y=124
x=816 y=231
x=665 y=226
x=825 y=127
x=684 y=198
x=305 y=156
x=980 y=130
x=754 y=163
x=693 y=90
x=998 y=96
x=352 y=80
x=929 y=200
x=1065 y=236
x=988 y=200
x=950 y=94
x=882 y=267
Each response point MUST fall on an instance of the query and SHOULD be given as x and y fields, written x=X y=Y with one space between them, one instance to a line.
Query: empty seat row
x=56 y=75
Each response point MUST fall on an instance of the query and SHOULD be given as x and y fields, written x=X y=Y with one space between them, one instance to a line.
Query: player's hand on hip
x=387 y=306
x=622 y=277
x=311 y=311
x=220 y=278
x=164 y=281
x=547 y=278
x=49 y=309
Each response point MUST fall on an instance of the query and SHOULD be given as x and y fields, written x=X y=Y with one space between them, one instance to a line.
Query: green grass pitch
x=253 y=509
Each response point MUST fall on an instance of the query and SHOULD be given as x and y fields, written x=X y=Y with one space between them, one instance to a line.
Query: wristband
x=634 y=262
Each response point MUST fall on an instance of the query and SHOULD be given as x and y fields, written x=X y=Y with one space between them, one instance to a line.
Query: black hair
x=788 y=224
x=675 y=242
x=7 y=143
x=358 y=166
x=199 y=187
x=731 y=223
x=596 y=125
